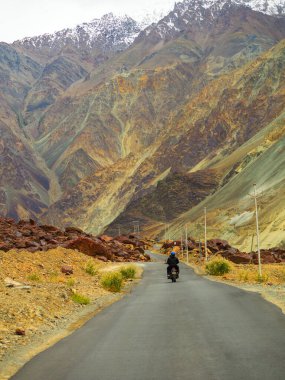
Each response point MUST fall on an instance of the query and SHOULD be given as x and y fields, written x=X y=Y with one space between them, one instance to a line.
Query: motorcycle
x=173 y=274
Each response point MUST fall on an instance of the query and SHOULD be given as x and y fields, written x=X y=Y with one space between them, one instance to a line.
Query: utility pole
x=186 y=240
x=168 y=234
x=252 y=238
x=136 y=227
x=255 y=196
x=165 y=233
x=181 y=246
x=2 y=204
x=200 y=249
x=206 y=252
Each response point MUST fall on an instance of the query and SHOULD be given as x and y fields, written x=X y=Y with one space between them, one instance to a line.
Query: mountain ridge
x=112 y=131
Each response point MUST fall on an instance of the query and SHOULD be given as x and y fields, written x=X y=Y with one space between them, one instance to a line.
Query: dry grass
x=273 y=274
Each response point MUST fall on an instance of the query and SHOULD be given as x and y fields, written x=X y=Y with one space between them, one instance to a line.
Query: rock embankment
x=29 y=236
x=224 y=249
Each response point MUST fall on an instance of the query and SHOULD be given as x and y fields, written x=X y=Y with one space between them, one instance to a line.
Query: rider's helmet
x=172 y=253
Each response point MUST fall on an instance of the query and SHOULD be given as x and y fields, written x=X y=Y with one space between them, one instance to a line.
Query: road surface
x=194 y=329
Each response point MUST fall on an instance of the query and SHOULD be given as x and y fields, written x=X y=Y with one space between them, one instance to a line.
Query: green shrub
x=128 y=272
x=262 y=278
x=70 y=282
x=79 y=298
x=243 y=276
x=90 y=269
x=112 y=281
x=218 y=266
x=34 y=277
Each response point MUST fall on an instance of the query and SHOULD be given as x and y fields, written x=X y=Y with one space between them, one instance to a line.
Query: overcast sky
x=26 y=18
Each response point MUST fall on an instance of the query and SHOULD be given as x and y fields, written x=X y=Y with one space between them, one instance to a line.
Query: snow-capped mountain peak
x=272 y=7
x=116 y=33
x=197 y=12
x=109 y=32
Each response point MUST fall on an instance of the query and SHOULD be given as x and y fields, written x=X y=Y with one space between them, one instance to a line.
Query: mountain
x=152 y=130
x=224 y=178
x=193 y=14
x=107 y=34
x=165 y=115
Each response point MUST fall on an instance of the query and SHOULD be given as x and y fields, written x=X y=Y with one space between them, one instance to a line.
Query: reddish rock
x=236 y=257
x=89 y=247
x=48 y=228
x=67 y=269
x=20 y=332
x=73 y=230
x=147 y=256
x=267 y=257
x=27 y=233
x=105 y=238
x=102 y=258
x=124 y=240
x=21 y=245
x=122 y=254
x=30 y=244
x=216 y=245
x=48 y=237
x=5 y=247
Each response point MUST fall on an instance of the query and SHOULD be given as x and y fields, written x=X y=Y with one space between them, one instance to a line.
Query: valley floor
x=194 y=328
x=37 y=306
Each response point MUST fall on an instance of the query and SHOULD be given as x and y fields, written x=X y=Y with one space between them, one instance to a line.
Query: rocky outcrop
x=32 y=237
x=224 y=249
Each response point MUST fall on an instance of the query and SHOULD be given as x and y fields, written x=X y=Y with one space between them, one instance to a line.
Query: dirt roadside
x=40 y=310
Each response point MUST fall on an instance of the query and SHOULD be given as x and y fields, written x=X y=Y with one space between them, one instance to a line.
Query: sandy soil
x=41 y=308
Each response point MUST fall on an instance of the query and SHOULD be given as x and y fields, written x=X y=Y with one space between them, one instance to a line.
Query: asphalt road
x=194 y=329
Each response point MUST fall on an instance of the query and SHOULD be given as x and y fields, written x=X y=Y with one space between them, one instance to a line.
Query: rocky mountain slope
x=163 y=126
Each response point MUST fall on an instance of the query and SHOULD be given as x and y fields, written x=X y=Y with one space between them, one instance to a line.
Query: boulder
x=147 y=256
x=123 y=254
x=235 y=256
x=91 y=247
x=102 y=258
x=73 y=230
x=216 y=245
x=67 y=269
x=20 y=332
x=48 y=228
x=106 y=238
x=266 y=256
x=5 y=246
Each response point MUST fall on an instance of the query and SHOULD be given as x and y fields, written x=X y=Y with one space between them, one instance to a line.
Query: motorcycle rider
x=172 y=262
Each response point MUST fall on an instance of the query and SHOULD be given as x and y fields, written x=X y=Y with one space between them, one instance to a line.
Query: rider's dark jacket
x=172 y=260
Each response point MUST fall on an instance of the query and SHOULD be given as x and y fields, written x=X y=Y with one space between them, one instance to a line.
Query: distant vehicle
x=173 y=274
x=173 y=268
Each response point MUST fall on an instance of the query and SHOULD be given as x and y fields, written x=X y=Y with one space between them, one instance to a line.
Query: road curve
x=194 y=329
